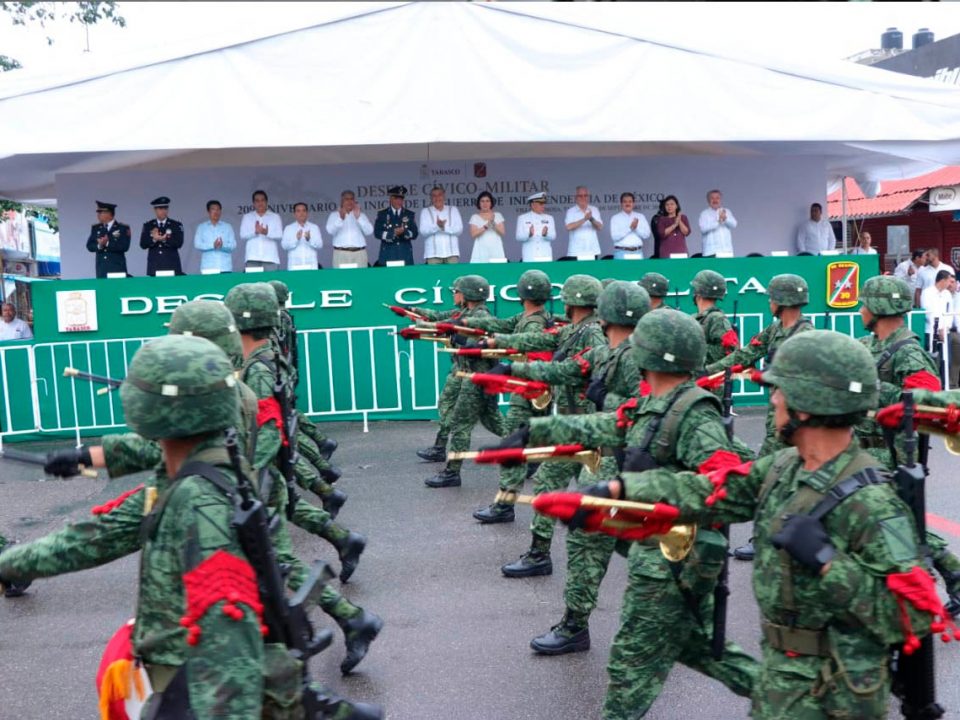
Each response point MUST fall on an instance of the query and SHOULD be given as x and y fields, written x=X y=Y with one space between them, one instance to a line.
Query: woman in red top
x=673 y=228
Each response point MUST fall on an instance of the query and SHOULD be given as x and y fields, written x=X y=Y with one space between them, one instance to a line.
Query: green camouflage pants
x=310 y=428
x=309 y=463
x=550 y=477
x=512 y=478
x=658 y=629
x=588 y=554
x=445 y=404
x=473 y=405
x=813 y=688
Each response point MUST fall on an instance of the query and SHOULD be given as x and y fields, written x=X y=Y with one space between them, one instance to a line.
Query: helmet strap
x=787 y=432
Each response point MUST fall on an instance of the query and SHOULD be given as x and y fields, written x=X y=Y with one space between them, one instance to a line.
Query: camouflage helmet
x=254 y=306
x=709 y=284
x=211 y=320
x=455 y=285
x=474 y=288
x=534 y=285
x=605 y=282
x=623 y=303
x=580 y=291
x=655 y=284
x=886 y=295
x=789 y=291
x=281 y=289
x=669 y=341
x=177 y=386
x=823 y=372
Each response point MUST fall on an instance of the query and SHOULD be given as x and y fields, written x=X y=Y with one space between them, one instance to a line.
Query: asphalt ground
x=455 y=644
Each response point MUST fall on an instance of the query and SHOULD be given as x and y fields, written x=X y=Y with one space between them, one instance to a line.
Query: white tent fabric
x=530 y=79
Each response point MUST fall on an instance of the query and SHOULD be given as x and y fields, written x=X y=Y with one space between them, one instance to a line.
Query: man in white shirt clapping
x=583 y=222
x=301 y=240
x=716 y=222
x=347 y=228
x=261 y=230
x=536 y=230
x=816 y=234
x=628 y=229
x=440 y=225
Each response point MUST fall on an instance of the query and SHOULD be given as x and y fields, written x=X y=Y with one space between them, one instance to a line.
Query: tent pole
x=843 y=210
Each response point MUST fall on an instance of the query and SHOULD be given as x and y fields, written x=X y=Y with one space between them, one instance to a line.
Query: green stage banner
x=353 y=366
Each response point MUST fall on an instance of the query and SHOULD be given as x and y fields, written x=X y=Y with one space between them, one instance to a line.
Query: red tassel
x=622 y=420
x=916 y=587
x=755 y=341
x=718 y=468
x=544 y=355
x=645 y=388
x=922 y=380
x=221 y=576
x=582 y=362
x=269 y=409
x=730 y=340
x=115 y=503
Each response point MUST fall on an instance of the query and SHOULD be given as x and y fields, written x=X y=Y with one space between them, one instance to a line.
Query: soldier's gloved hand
x=806 y=540
x=597 y=392
x=637 y=460
x=463 y=341
x=600 y=489
x=501 y=368
x=517 y=439
x=66 y=463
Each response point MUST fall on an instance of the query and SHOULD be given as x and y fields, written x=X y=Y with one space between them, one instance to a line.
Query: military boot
x=333 y=501
x=952 y=582
x=571 y=634
x=349 y=549
x=434 y=453
x=745 y=552
x=358 y=633
x=334 y=707
x=495 y=513
x=536 y=561
x=15 y=588
x=330 y=474
x=448 y=477
x=327 y=447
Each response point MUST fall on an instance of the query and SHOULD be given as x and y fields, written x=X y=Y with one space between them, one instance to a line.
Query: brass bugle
x=412 y=314
x=590 y=459
x=445 y=341
x=492 y=353
x=950 y=441
x=540 y=402
x=675 y=545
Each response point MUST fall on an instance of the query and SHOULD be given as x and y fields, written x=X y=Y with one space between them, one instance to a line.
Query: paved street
x=456 y=635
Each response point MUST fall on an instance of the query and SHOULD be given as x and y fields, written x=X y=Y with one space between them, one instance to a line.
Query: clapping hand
x=544 y=231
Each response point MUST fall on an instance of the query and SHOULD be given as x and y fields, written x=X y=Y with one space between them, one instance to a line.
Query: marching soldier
x=657 y=287
x=709 y=287
x=534 y=289
x=666 y=604
x=788 y=295
x=902 y=364
x=162 y=238
x=837 y=575
x=396 y=229
x=472 y=404
x=110 y=240
x=579 y=294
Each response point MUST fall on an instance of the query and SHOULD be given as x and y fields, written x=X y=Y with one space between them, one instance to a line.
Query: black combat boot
x=333 y=501
x=745 y=552
x=448 y=477
x=495 y=513
x=350 y=549
x=952 y=582
x=358 y=633
x=327 y=448
x=536 y=561
x=571 y=634
x=330 y=474
x=334 y=707
x=434 y=453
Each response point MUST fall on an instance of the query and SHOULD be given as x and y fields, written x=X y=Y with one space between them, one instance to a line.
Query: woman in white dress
x=486 y=229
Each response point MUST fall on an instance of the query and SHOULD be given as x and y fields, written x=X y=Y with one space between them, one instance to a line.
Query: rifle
x=721 y=591
x=913 y=677
x=287 y=621
x=37 y=459
x=110 y=382
x=287 y=455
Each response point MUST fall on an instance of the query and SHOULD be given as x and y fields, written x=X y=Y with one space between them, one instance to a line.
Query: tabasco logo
x=843 y=284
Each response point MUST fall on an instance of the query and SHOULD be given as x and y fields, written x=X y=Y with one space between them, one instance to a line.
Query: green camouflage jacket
x=715 y=325
x=762 y=346
x=470 y=364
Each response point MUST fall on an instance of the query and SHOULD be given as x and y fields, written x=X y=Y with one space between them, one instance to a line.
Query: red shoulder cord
x=544 y=355
x=269 y=409
x=622 y=420
x=917 y=587
x=755 y=341
x=582 y=362
x=645 y=388
x=221 y=576
x=110 y=505
x=730 y=340
x=718 y=468
x=922 y=380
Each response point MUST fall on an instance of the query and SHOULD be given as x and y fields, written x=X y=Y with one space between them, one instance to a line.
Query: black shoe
x=327 y=448
x=496 y=513
x=332 y=502
x=446 y=478
x=434 y=453
x=330 y=474
x=358 y=633
x=745 y=552
x=530 y=564
x=334 y=706
x=564 y=637
x=16 y=589
x=952 y=581
x=350 y=549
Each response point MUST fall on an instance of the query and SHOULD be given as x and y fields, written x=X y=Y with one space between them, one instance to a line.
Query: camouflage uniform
x=897 y=357
x=568 y=342
x=826 y=637
x=662 y=599
x=712 y=286
x=657 y=287
x=785 y=291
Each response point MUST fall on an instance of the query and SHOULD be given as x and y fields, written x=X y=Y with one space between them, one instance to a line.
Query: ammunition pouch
x=802 y=641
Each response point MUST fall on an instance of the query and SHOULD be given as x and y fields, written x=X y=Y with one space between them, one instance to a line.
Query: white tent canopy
x=455 y=80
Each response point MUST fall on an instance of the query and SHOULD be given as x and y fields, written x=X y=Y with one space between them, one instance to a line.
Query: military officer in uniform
x=110 y=240
x=396 y=229
x=162 y=238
